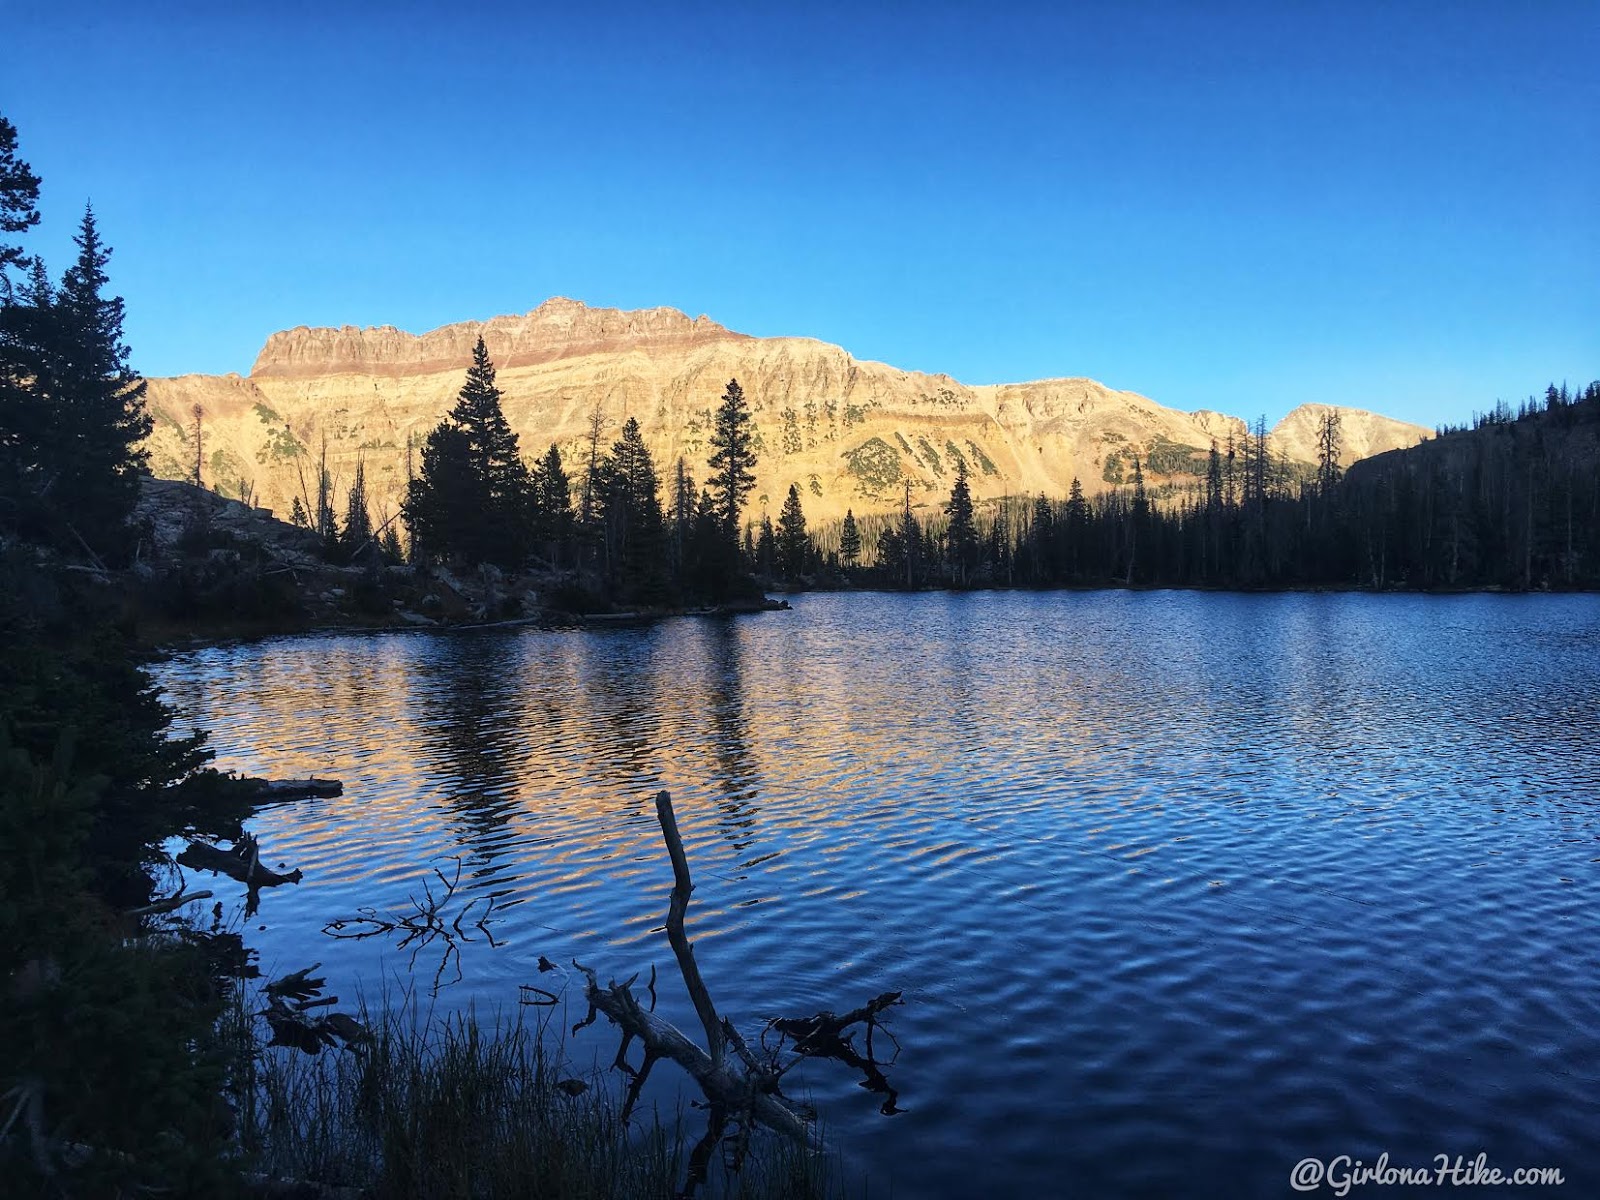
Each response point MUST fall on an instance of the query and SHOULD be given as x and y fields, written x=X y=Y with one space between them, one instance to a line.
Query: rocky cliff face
x=557 y=329
x=849 y=433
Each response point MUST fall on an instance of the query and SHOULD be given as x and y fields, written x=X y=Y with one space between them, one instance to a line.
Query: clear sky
x=1232 y=206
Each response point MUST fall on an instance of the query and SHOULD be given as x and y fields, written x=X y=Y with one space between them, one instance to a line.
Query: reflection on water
x=1181 y=888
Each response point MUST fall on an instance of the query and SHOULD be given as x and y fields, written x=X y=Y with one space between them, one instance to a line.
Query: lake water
x=1179 y=888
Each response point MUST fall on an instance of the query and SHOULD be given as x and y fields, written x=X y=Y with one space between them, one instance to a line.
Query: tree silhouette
x=630 y=511
x=962 y=534
x=849 y=540
x=19 y=202
x=72 y=415
x=733 y=459
x=474 y=499
x=793 y=544
x=357 y=519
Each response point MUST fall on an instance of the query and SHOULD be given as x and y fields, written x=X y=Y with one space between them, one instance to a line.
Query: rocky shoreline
x=211 y=569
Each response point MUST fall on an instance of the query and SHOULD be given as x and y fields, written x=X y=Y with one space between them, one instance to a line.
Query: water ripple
x=1180 y=889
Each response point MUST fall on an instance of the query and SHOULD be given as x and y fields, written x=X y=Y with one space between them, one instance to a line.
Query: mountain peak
x=557 y=329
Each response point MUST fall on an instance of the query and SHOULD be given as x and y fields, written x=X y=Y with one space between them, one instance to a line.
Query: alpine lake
x=1178 y=889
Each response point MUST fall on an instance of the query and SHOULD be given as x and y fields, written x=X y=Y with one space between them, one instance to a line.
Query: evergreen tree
x=509 y=515
x=552 y=493
x=1139 y=518
x=19 y=203
x=766 y=548
x=849 y=540
x=1076 y=529
x=1328 y=449
x=891 y=560
x=72 y=416
x=683 y=518
x=297 y=515
x=733 y=461
x=910 y=541
x=474 y=499
x=962 y=533
x=632 y=517
x=793 y=544
x=445 y=503
x=357 y=520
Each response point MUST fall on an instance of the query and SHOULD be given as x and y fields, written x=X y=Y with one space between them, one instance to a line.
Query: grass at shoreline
x=457 y=1108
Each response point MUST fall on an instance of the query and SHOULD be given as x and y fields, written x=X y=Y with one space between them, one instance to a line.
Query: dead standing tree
x=741 y=1087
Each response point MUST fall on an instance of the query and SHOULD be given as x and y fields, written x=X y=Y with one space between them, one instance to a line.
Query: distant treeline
x=1512 y=502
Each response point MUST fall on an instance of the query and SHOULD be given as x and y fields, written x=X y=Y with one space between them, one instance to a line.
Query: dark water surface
x=1180 y=888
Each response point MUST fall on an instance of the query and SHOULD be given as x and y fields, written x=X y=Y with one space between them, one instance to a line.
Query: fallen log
x=735 y=1086
x=740 y=1089
x=242 y=862
x=293 y=789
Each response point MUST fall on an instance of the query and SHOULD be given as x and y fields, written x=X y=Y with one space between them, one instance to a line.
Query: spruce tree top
x=731 y=474
x=478 y=412
x=19 y=198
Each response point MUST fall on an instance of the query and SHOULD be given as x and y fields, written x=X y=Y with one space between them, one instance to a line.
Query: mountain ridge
x=849 y=432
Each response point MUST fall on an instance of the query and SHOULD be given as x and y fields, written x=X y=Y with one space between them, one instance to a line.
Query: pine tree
x=793 y=544
x=1140 y=517
x=1077 y=529
x=553 y=502
x=632 y=517
x=1041 y=541
x=95 y=459
x=734 y=459
x=910 y=541
x=445 y=503
x=509 y=514
x=297 y=515
x=1328 y=449
x=357 y=520
x=962 y=533
x=766 y=548
x=19 y=202
x=849 y=540
x=683 y=517
x=475 y=498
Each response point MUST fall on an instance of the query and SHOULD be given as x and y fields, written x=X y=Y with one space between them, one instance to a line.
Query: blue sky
x=1232 y=206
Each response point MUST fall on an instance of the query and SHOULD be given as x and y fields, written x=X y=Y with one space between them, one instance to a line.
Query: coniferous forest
x=1511 y=502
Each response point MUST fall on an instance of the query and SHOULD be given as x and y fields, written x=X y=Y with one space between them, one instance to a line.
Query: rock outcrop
x=557 y=329
x=850 y=433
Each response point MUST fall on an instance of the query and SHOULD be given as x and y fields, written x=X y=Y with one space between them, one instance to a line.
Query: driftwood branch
x=721 y=1082
x=682 y=886
x=170 y=904
x=430 y=919
x=242 y=862
x=741 y=1085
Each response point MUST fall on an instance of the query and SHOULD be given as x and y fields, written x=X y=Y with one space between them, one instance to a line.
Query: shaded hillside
x=849 y=433
x=1513 y=501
